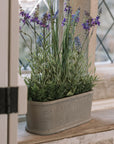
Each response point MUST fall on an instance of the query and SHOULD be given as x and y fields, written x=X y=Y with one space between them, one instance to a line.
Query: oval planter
x=46 y=118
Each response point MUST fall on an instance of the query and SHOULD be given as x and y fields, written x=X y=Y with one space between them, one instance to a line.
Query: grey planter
x=46 y=118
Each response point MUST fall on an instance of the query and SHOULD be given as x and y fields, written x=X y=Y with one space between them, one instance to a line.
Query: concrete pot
x=46 y=118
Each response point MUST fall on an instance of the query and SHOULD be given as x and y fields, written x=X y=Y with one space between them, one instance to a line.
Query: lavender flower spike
x=97 y=22
x=64 y=21
x=88 y=24
x=55 y=15
x=35 y=19
x=26 y=17
x=77 y=41
x=75 y=17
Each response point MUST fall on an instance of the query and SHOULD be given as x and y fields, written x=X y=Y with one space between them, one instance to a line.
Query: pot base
x=48 y=133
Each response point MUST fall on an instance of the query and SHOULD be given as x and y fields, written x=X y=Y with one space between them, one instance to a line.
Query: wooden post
x=9 y=50
x=13 y=63
x=14 y=79
x=3 y=62
x=93 y=42
x=4 y=43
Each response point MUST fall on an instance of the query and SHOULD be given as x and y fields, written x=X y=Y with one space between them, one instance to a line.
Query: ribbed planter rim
x=60 y=100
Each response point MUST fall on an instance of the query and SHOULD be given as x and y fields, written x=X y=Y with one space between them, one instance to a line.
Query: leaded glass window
x=105 y=33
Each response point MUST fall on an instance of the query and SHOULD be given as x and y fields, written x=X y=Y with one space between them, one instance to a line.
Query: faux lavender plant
x=57 y=70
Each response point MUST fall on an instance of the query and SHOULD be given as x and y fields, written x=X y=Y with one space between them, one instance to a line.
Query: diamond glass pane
x=109 y=42
x=106 y=20
x=99 y=2
x=100 y=54
x=105 y=32
x=110 y=4
x=27 y=5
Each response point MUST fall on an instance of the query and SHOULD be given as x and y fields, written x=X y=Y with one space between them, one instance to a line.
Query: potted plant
x=60 y=86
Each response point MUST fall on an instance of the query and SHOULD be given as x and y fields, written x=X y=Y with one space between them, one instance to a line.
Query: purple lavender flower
x=49 y=16
x=44 y=25
x=35 y=19
x=68 y=9
x=48 y=27
x=44 y=21
x=64 y=21
x=78 y=12
x=86 y=26
x=91 y=23
x=65 y=9
x=75 y=17
x=55 y=15
x=22 y=13
x=26 y=17
x=97 y=22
